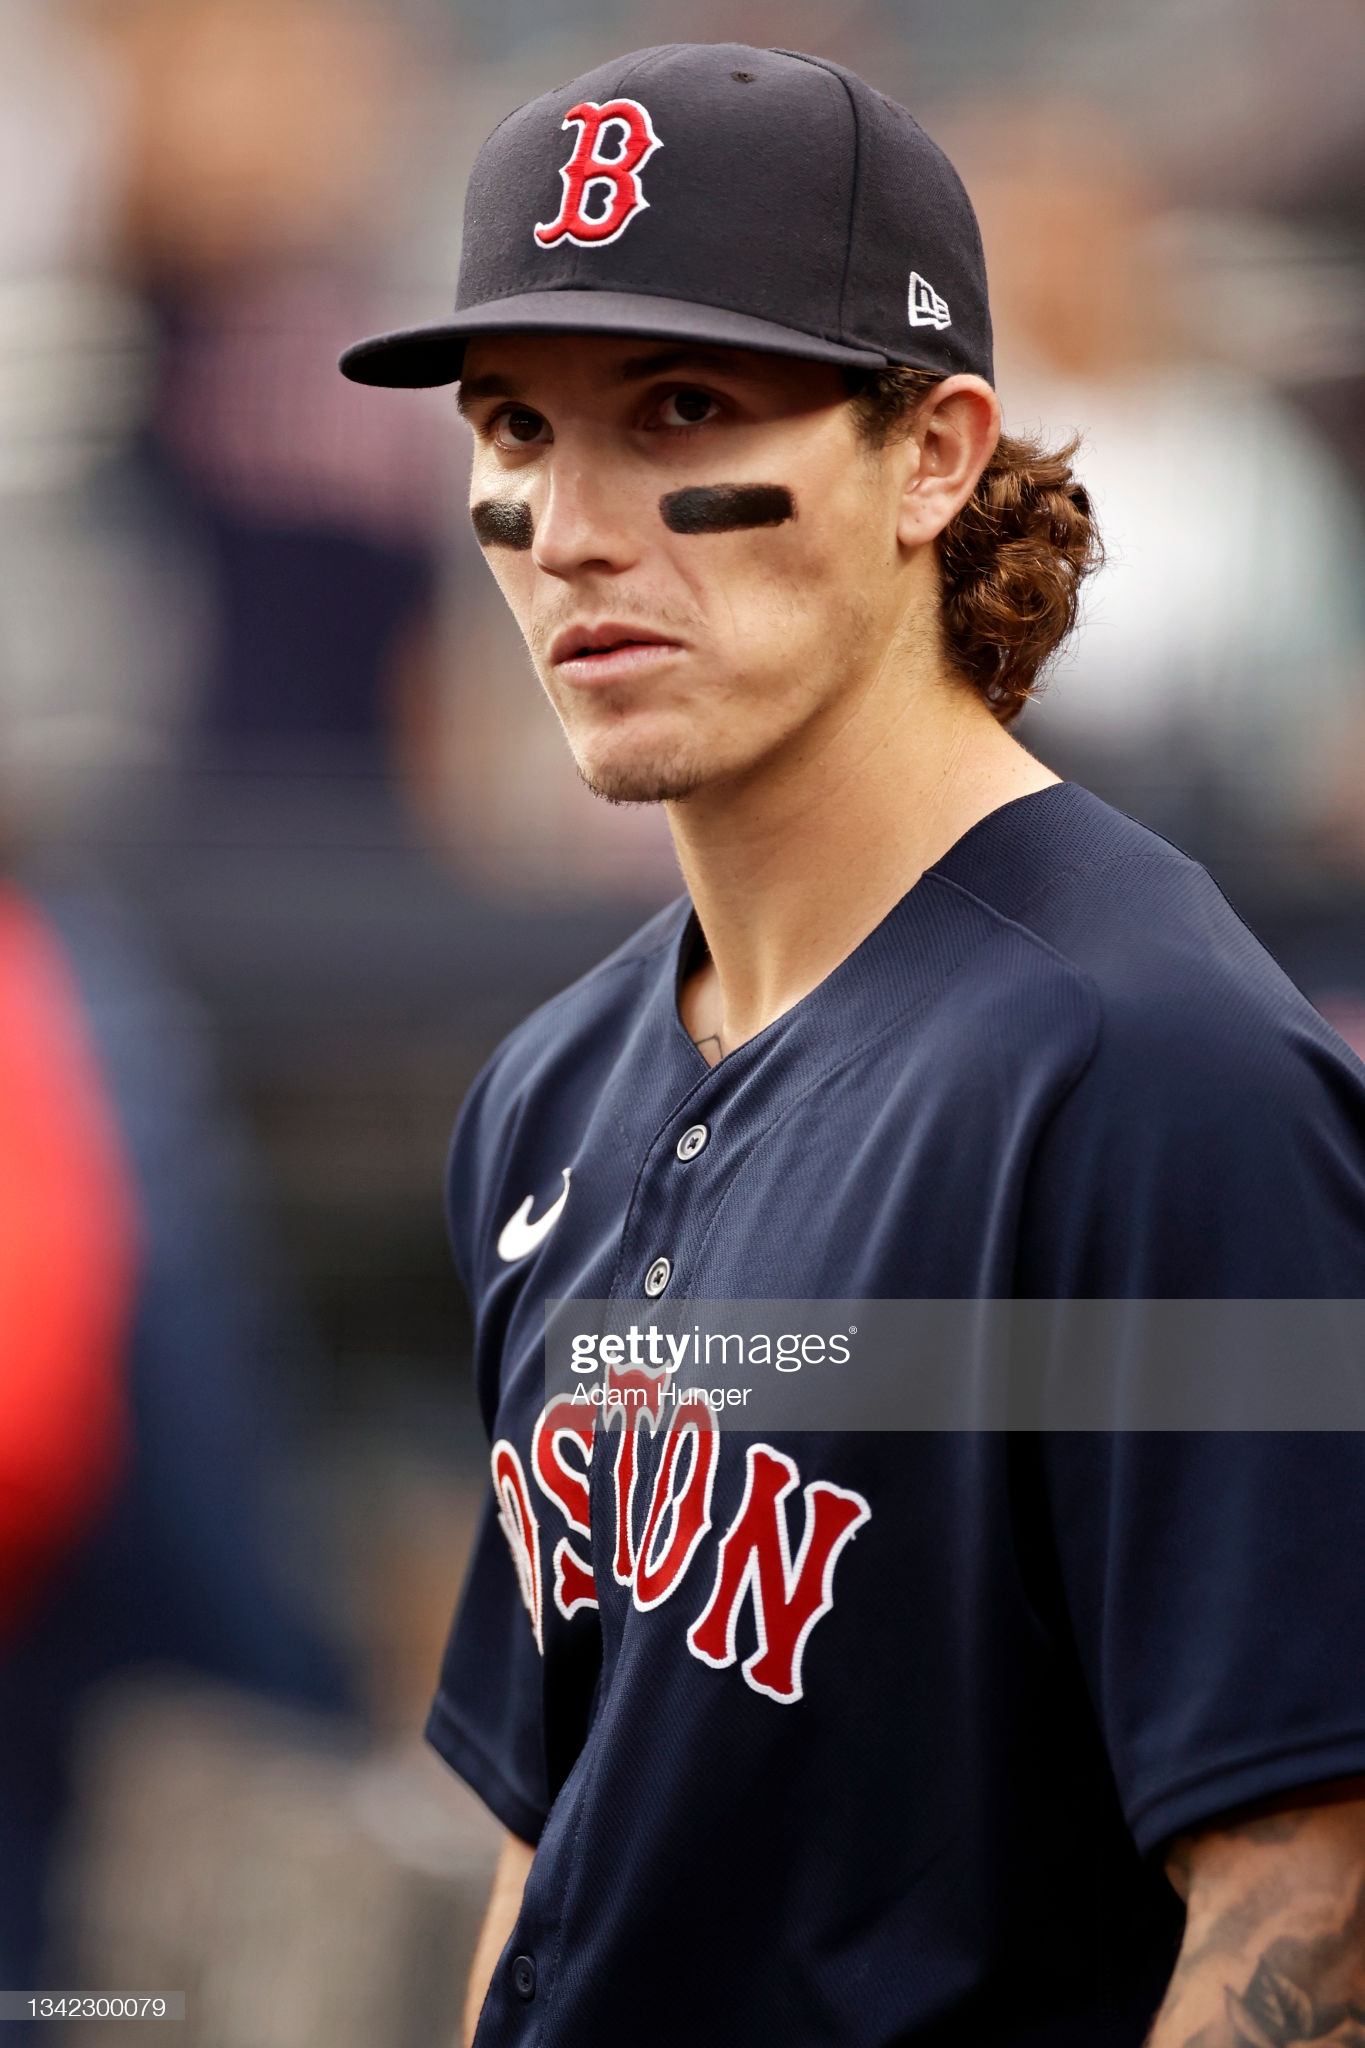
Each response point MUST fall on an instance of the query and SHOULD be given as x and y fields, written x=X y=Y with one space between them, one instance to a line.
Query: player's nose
x=591 y=518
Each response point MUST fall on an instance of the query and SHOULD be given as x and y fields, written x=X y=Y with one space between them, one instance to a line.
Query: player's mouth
x=608 y=653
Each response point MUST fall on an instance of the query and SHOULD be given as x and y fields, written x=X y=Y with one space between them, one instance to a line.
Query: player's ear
x=953 y=438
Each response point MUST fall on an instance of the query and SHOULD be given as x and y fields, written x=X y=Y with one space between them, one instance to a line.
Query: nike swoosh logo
x=520 y=1235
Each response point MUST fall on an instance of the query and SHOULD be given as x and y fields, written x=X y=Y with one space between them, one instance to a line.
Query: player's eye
x=519 y=427
x=687 y=409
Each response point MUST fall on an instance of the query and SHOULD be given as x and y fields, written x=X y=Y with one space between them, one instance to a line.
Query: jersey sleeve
x=1211 y=1580
x=487 y=1720
x=498 y=1717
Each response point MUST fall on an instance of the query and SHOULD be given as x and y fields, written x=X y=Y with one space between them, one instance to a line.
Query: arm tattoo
x=1300 y=1991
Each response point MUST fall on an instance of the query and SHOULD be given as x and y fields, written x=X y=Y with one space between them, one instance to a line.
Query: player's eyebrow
x=634 y=370
x=661 y=361
x=491 y=386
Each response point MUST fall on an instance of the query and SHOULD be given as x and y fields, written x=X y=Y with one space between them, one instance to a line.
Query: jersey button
x=524 y=1977
x=657 y=1278
x=691 y=1142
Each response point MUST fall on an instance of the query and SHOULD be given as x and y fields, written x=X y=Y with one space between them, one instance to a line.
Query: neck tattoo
x=722 y=508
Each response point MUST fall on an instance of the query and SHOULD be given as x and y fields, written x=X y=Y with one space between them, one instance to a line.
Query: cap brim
x=423 y=356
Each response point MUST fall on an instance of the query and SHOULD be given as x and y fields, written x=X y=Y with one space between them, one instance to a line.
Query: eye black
x=522 y=424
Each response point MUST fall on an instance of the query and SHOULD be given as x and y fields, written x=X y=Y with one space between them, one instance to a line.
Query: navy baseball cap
x=714 y=193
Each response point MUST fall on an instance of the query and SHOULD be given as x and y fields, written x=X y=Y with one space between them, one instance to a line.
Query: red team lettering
x=520 y=1527
x=641 y=1397
x=559 y=1424
x=754 y=1561
x=610 y=184
x=679 y=1515
x=559 y=1421
x=575 y=1585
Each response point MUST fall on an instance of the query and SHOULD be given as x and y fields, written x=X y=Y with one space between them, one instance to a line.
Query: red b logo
x=588 y=169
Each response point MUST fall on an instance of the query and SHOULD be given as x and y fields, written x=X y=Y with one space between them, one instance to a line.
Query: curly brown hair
x=1014 y=558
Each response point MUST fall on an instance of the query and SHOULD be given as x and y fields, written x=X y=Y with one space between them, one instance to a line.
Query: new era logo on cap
x=927 y=309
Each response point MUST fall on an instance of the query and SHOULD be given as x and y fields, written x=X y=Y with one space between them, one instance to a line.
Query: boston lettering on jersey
x=755 y=1560
x=890 y=1728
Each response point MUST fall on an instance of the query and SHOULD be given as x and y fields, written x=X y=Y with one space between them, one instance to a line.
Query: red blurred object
x=68 y=1260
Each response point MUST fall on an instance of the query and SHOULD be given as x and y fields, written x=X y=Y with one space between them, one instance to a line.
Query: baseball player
x=861 y=1738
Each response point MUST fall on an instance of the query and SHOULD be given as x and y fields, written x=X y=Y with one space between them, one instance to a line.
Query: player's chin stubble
x=621 y=769
x=641 y=785
x=661 y=778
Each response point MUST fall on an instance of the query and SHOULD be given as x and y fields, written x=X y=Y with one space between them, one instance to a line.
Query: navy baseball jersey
x=863 y=1738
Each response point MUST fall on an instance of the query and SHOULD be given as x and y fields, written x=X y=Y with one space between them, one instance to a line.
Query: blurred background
x=289 y=840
